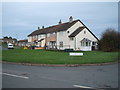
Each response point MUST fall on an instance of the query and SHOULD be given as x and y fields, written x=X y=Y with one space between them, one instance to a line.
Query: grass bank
x=53 y=57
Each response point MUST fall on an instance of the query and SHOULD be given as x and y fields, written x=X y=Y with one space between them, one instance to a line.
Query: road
x=21 y=76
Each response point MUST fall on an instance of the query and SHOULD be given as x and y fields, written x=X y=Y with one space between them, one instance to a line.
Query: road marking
x=15 y=75
x=82 y=86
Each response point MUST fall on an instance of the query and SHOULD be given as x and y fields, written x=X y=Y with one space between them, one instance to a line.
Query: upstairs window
x=40 y=36
x=48 y=35
x=84 y=32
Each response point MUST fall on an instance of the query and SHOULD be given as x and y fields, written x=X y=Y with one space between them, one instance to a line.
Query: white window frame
x=48 y=35
x=53 y=33
x=84 y=32
x=87 y=44
x=61 y=43
x=71 y=38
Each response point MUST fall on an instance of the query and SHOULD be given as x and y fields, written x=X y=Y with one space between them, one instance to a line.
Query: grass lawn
x=53 y=57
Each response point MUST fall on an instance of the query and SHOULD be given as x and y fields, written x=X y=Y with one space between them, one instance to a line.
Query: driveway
x=21 y=76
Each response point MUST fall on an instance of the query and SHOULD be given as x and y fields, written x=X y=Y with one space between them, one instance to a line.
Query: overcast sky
x=20 y=19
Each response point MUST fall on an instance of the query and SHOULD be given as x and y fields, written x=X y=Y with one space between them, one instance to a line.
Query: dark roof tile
x=76 y=32
x=55 y=28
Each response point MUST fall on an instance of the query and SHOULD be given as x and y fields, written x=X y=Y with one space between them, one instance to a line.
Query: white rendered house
x=70 y=35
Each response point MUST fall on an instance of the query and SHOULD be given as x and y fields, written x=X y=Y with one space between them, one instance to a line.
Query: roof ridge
x=54 y=28
x=59 y=24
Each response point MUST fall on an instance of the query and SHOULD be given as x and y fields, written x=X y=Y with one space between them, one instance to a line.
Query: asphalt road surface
x=21 y=76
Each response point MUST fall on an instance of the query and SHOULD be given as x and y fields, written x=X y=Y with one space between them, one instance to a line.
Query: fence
x=58 y=47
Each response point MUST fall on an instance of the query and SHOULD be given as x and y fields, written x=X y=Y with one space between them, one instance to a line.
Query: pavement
x=92 y=77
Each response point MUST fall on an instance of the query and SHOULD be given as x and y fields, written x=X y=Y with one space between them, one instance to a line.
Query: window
x=89 y=43
x=61 y=33
x=53 y=32
x=40 y=36
x=82 y=43
x=61 y=44
x=71 y=38
x=86 y=43
x=93 y=43
x=48 y=35
x=84 y=32
x=36 y=36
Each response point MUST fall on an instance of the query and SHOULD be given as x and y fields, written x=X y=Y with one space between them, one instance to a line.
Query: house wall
x=51 y=37
x=75 y=43
x=62 y=37
x=30 y=39
x=42 y=43
x=67 y=43
x=37 y=37
x=80 y=36
x=74 y=27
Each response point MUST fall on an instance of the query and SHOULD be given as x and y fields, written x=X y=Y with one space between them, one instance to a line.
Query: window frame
x=61 y=43
x=71 y=38
x=84 y=32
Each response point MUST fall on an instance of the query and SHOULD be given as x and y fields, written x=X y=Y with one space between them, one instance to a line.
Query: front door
x=52 y=44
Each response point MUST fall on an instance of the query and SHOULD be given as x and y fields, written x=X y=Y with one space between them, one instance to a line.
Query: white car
x=10 y=46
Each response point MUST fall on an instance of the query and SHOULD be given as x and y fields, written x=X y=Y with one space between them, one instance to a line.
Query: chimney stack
x=42 y=27
x=38 y=28
x=60 y=21
x=70 y=19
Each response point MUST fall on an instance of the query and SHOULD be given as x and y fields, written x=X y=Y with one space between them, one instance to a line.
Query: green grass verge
x=53 y=57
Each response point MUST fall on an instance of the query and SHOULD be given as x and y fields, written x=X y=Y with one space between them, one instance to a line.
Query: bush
x=110 y=40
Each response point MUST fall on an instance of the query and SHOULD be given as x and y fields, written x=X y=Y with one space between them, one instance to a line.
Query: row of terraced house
x=69 y=35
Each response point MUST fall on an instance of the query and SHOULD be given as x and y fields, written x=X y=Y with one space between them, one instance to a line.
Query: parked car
x=10 y=46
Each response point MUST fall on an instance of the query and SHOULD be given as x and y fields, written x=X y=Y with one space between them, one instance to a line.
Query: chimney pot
x=38 y=28
x=70 y=19
x=60 y=21
x=42 y=27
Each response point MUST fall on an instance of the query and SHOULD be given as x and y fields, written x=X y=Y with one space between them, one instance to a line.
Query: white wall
x=30 y=39
x=80 y=36
x=74 y=27
x=67 y=43
x=84 y=48
x=62 y=37
x=75 y=44
x=42 y=43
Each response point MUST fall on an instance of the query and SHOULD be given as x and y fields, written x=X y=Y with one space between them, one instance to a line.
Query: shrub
x=110 y=40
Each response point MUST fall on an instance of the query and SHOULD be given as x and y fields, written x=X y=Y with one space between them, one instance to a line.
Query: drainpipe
x=75 y=43
x=56 y=40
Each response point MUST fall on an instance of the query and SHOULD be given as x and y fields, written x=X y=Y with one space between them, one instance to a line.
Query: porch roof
x=85 y=40
x=40 y=39
x=76 y=31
